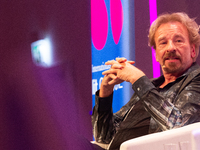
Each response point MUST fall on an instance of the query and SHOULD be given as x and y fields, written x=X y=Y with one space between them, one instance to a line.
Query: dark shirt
x=151 y=109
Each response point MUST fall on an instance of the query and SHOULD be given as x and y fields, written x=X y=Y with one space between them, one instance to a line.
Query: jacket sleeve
x=104 y=121
x=170 y=113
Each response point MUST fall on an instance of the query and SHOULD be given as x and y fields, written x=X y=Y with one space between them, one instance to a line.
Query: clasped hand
x=122 y=70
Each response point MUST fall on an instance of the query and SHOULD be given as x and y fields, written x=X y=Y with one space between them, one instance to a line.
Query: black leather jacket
x=150 y=109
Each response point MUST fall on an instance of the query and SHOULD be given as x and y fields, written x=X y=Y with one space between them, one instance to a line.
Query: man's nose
x=171 y=46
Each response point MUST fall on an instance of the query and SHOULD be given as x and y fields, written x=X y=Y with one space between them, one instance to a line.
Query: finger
x=121 y=60
x=109 y=72
x=113 y=81
x=117 y=66
x=112 y=76
x=131 y=62
x=110 y=62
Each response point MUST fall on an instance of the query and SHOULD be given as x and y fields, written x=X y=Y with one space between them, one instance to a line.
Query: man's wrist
x=105 y=91
x=133 y=80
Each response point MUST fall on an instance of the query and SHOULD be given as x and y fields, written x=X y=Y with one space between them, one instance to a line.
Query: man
x=170 y=101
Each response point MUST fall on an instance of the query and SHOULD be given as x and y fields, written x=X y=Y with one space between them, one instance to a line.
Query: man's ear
x=193 y=52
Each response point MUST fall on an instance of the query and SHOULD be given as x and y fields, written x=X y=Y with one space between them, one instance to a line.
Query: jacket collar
x=161 y=79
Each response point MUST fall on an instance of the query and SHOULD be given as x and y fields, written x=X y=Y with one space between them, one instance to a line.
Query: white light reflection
x=42 y=52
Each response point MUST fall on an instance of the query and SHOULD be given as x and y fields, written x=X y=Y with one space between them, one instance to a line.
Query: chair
x=184 y=138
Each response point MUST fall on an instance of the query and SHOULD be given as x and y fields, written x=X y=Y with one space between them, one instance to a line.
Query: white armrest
x=184 y=138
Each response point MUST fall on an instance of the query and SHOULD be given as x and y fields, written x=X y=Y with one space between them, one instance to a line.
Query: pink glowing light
x=116 y=12
x=153 y=16
x=99 y=23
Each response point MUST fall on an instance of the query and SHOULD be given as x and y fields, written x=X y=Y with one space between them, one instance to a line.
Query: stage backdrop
x=112 y=33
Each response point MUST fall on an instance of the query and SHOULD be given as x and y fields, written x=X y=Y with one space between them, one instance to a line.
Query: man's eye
x=162 y=43
x=179 y=40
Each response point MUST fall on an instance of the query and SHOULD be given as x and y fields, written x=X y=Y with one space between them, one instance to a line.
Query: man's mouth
x=172 y=58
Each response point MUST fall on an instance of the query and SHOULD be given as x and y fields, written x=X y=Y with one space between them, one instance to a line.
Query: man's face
x=173 y=49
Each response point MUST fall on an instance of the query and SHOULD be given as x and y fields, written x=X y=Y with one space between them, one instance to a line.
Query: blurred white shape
x=42 y=53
